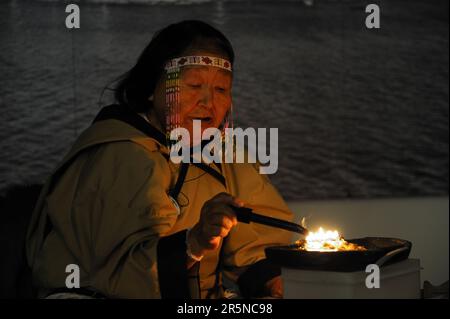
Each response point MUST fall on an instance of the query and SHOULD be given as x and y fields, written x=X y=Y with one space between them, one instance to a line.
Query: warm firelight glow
x=327 y=240
x=324 y=240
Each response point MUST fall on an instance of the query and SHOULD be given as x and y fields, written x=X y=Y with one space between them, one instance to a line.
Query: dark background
x=362 y=113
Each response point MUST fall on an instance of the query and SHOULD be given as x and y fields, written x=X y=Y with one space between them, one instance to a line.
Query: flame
x=323 y=240
x=326 y=240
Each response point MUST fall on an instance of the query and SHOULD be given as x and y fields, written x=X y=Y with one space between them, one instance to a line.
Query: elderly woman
x=136 y=224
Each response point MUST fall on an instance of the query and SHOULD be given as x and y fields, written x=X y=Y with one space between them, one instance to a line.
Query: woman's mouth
x=203 y=119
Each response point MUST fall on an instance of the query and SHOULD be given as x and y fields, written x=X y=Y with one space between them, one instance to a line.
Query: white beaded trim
x=198 y=60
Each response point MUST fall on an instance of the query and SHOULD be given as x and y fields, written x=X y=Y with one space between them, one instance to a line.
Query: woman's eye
x=195 y=86
x=221 y=89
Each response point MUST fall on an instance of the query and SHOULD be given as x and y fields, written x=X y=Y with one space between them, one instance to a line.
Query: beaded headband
x=198 y=60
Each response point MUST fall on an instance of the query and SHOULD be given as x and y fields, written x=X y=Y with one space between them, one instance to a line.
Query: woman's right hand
x=217 y=219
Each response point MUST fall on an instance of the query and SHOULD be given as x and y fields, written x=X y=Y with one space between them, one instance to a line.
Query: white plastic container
x=397 y=281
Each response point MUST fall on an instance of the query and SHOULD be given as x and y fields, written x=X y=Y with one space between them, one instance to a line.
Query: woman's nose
x=207 y=97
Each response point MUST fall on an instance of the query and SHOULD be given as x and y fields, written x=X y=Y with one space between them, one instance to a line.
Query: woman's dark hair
x=138 y=84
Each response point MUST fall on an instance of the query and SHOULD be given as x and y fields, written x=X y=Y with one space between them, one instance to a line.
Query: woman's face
x=205 y=94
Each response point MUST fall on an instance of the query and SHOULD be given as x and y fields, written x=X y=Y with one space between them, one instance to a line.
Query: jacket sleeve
x=243 y=251
x=119 y=222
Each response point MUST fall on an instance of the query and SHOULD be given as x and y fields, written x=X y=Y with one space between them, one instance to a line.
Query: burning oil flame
x=324 y=240
x=327 y=240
